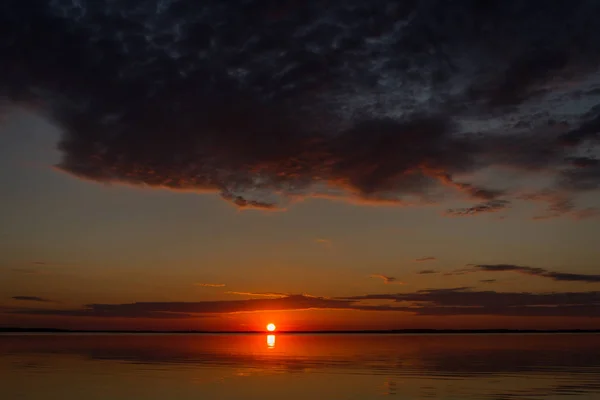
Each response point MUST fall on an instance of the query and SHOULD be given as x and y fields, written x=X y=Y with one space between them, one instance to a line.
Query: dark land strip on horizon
x=319 y=332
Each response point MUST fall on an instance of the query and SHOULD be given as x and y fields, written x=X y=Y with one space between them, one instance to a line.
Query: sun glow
x=271 y=327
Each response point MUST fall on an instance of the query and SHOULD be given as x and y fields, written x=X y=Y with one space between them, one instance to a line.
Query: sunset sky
x=243 y=164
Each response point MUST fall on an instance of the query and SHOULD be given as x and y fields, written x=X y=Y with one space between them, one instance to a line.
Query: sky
x=319 y=165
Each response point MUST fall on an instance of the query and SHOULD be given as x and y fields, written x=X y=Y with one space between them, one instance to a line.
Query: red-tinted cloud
x=387 y=279
x=423 y=259
x=215 y=285
x=442 y=302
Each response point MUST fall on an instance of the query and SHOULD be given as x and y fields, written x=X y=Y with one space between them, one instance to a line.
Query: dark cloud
x=588 y=130
x=583 y=178
x=265 y=107
x=535 y=271
x=465 y=301
x=442 y=302
x=386 y=279
x=31 y=298
x=487 y=280
x=190 y=309
x=583 y=162
x=487 y=207
x=422 y=259
x=427 y=271
x=461 y=271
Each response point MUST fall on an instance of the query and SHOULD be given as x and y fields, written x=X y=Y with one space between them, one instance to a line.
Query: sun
x=271 y=327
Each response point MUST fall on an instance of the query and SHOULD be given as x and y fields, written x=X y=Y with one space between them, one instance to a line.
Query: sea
x=299 y=366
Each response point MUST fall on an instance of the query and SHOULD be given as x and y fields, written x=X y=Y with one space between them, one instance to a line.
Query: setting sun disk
x=271 y=327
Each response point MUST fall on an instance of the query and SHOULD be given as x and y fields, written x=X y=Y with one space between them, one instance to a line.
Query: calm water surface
x=291 y=367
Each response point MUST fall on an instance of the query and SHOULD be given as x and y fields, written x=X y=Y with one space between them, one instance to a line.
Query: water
x=290 y=367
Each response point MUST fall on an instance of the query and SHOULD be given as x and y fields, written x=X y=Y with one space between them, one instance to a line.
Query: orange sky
x=67 y=243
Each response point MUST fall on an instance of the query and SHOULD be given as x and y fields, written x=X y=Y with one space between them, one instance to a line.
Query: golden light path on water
x=270 y=341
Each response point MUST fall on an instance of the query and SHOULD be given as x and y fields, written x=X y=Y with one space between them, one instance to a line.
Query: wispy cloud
x=432 y=302
x=487 y=207
x=32 y=298
x=460 y=271
x=191 y=309
x=324 y=242
x=243 y=203
x=427 y=271
x=258 y=294
x=487 y=280
x=558 y=204
x=465 y=301
x=387 y=279
x=28 y=271
x=535 y=271
x=586 y=213
x=213 y=285
x=423 y=259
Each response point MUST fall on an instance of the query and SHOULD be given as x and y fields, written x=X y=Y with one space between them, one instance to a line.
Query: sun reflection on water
x=270 y=341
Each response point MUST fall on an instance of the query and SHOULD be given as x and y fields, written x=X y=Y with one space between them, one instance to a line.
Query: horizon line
x=332 y=331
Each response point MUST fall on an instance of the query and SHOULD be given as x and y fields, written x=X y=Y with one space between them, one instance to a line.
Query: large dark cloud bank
x=267 y=102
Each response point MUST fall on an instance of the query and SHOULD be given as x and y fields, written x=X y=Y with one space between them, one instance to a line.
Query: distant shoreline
x=328 y=332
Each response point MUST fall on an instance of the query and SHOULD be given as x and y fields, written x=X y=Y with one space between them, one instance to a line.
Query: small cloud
x=558 y=205
x=32 y=298
x=461 y=271
x=28 y=271
x=210 y=284
x=536 y=271
x=39 y=263
x=243 y=203
x=586 y=213
x=387 y=279
x=259 y=294
x=325 y=242
x=486 y=207
x=423 y=259
x=427 y=271
x=487 y=280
